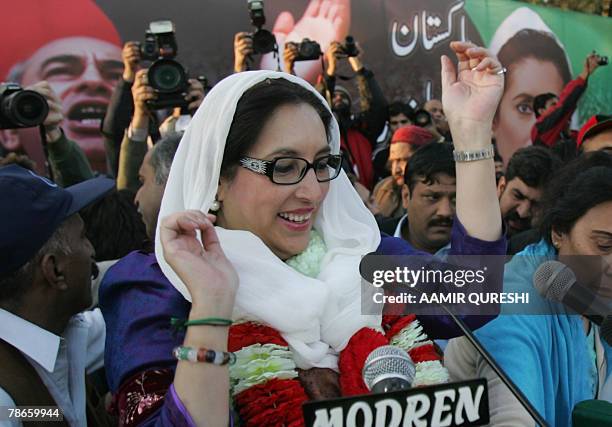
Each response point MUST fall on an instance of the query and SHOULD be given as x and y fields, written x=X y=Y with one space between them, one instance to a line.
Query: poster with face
x=76 y=46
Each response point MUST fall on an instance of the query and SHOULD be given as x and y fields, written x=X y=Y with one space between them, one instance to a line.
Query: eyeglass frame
x=266 y=167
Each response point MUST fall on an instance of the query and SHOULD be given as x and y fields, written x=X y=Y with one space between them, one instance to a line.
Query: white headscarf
x=523 y=18
x=317 y=317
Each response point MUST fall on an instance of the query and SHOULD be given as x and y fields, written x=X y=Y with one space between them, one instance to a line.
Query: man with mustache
x=77 y=52
x=428 y=195
x=520 y=189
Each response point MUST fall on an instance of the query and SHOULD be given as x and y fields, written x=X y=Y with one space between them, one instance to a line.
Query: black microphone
x=387 y=369
x=557 y=282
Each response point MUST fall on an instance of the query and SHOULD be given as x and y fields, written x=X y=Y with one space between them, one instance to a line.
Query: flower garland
x=264 y=380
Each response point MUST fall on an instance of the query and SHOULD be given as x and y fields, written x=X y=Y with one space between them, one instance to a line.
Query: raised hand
x=471 y=93
x=332 y=56
x=55 y=117
x=131 y=58
x=289 y=55
x=323 y=21
x=209 y=276
x=590 y=64
x=243 y=47
x=195 y=94
x=142 y=92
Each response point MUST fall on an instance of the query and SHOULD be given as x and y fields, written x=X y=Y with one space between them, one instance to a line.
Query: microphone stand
x=498 y=370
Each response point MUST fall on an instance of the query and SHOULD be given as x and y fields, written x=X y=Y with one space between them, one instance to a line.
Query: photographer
x=358 y=132
x=67 y=160
x=121 y=108
x=290 y=54
x=134 y=145
x=553 y=113
x=243 y=47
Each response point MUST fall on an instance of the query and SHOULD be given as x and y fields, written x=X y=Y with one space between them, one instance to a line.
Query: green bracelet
x=177 y=323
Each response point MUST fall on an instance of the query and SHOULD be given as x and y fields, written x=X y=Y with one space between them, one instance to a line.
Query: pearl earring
x=215 y=206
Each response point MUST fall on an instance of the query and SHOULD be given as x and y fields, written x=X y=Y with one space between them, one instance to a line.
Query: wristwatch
x=472 y=156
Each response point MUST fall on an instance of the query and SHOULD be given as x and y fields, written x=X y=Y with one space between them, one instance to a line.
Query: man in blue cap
x=47 y=341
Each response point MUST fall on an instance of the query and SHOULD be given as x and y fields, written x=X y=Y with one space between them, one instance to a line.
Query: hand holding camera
x=332 y=55
x=290 y=55
x=131 y=58
x=591 y=63
x=195 y=94
x=55 y=116
x=143 y=94
x=243 y=47
x=21 y=108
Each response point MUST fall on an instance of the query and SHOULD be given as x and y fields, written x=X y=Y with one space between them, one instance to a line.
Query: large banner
x=76 y=46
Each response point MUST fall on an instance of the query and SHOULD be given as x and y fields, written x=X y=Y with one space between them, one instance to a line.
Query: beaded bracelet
x=204 y=355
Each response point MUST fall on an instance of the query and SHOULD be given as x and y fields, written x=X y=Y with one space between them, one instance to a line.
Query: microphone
x=387 y=369
x=469 y=335
x=557 y=282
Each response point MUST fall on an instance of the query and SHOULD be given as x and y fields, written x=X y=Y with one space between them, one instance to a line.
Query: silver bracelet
x=472 y=156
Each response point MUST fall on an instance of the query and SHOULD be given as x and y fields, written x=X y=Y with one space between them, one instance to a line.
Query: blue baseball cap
x=33 y=207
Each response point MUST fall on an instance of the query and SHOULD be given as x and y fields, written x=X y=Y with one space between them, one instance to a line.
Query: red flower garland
x=275 y=402
x=353 y=357
x=279 y=402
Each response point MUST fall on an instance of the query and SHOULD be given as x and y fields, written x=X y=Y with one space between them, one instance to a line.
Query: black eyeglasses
x=291 y=170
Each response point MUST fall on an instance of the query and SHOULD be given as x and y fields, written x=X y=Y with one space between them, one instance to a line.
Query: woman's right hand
x=203 y=267
x=471 y=93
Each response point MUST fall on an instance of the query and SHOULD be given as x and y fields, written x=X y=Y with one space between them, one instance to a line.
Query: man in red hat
x=596 y=134
x=75 y=48
x=388 y=193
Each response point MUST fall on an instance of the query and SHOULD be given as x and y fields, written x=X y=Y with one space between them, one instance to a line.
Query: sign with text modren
x=455 y=404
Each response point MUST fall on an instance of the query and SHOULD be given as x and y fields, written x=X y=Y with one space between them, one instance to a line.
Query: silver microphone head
x=387 y=362
x=553 y=279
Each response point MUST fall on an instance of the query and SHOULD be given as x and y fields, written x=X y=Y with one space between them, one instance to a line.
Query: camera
x=165 y=75
x=148 y=49
x=602 y=60
x=308 y=50
x=349 y=48
x=21 y=108
x=422 y=118
x=263 y=40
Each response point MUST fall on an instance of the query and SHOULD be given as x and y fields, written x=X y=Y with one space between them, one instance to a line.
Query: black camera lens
x=25 y=108
x=263 y=42
x=167 y=75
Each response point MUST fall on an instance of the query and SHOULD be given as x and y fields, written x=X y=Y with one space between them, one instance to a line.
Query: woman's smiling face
x=280 y=215
x=526 y=79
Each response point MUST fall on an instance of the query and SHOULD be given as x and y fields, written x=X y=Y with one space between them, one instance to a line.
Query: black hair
x=541 y=45
x=430 y=159
x=399 y=107
x=162 y=155
x=255 y=108
x=539 y=102
x=579 y=186
x=114 y=227
x=566 y=149
x=534 y=165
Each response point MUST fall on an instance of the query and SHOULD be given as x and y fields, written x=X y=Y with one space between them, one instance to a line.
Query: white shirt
x=61 y=362
x=400 y=224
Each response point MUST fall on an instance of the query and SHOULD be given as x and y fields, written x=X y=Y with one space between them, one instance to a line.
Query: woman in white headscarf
x=291 y=239
x=537 y=63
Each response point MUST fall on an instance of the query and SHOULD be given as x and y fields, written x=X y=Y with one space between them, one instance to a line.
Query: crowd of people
x=196 y=256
